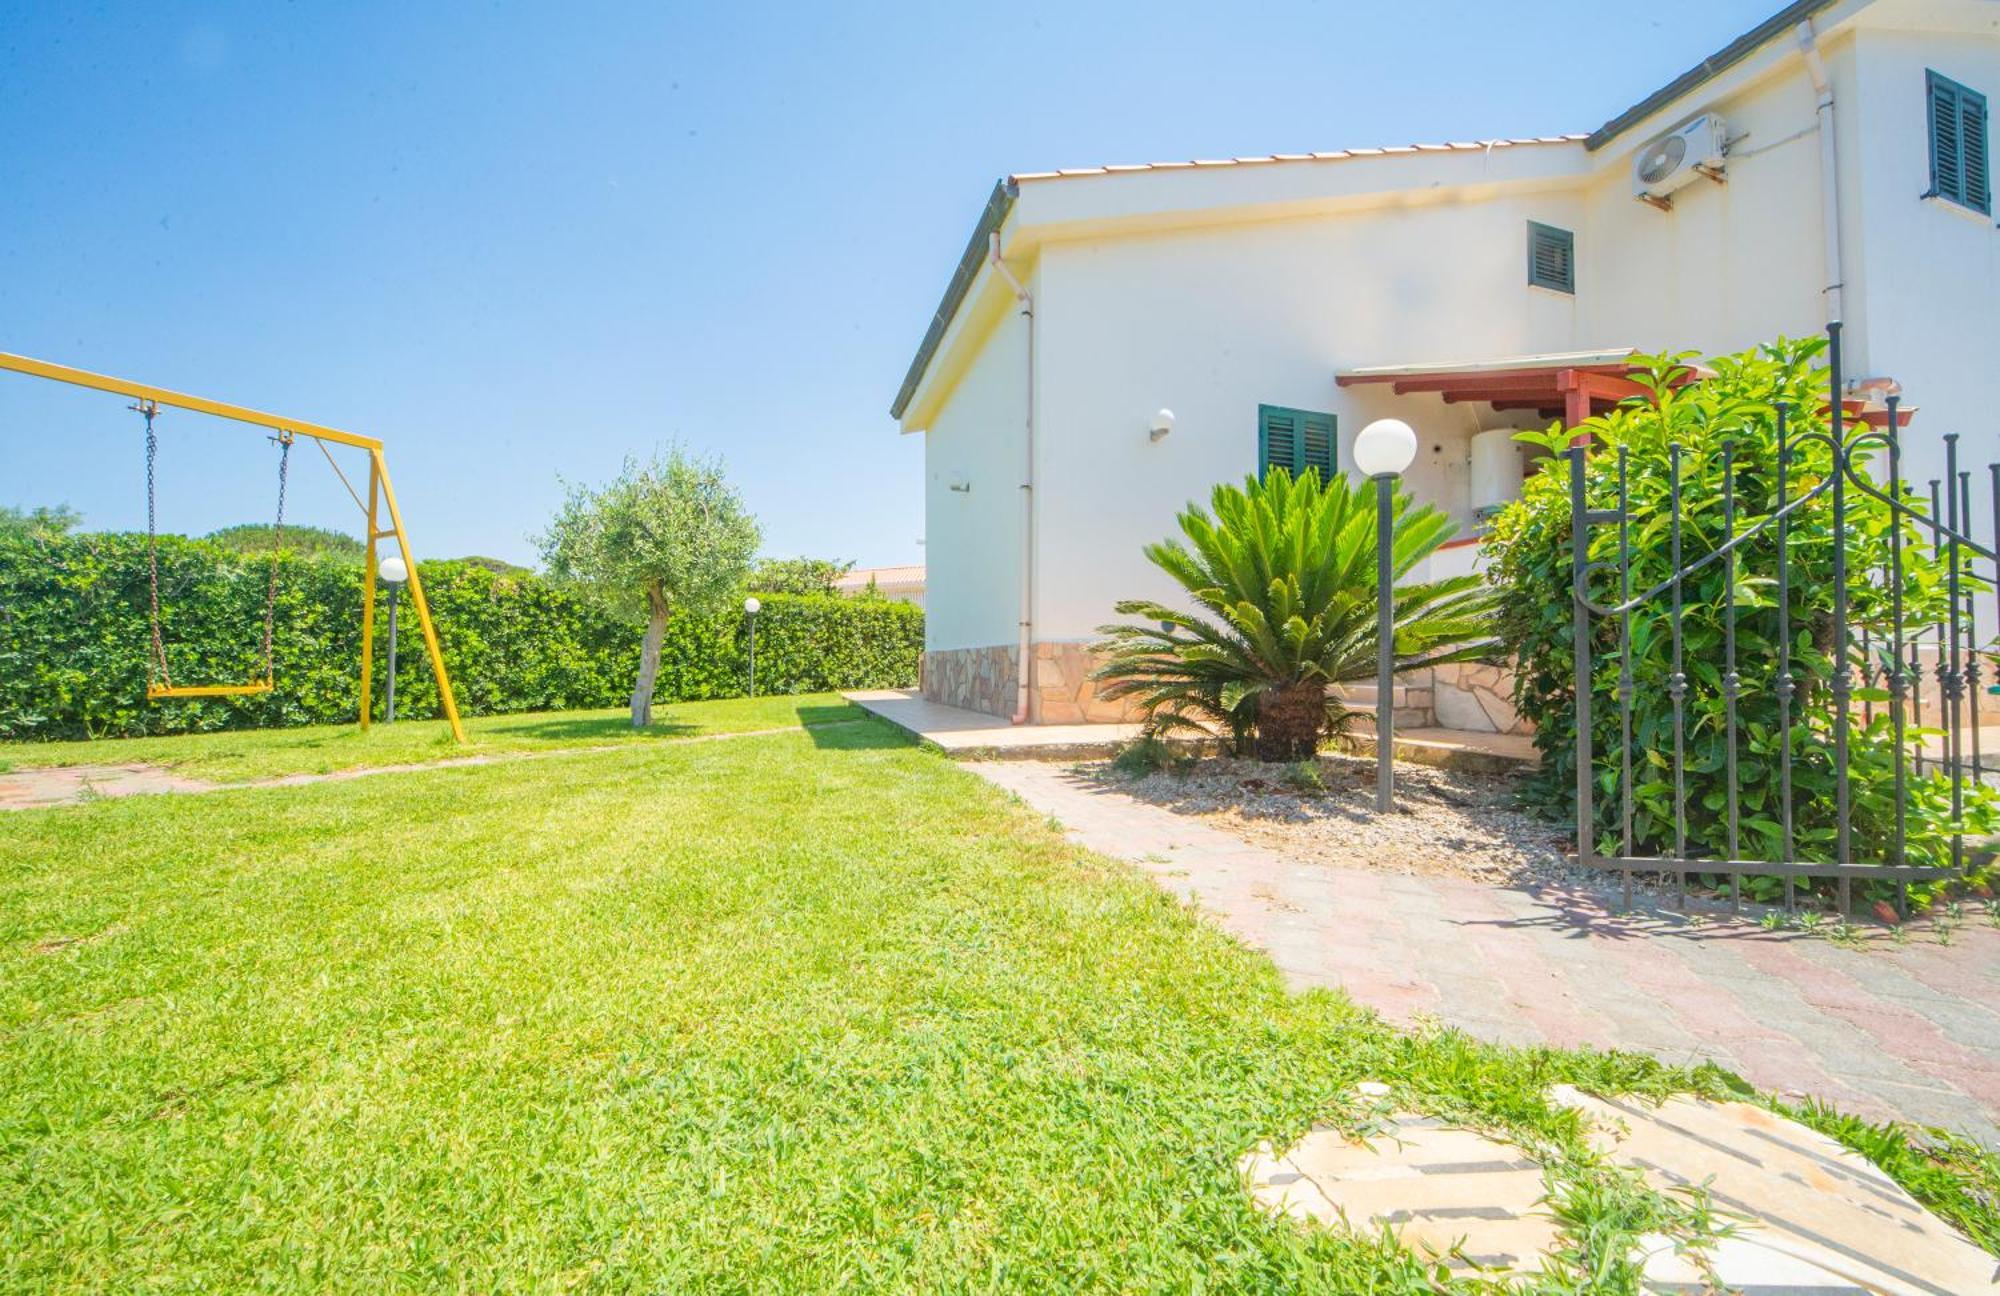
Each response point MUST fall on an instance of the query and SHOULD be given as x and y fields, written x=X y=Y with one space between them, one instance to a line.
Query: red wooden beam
x=1604 y=386
x=1528 y=380
x=1576 y=408
x=1419 y=381
x=1537 y=396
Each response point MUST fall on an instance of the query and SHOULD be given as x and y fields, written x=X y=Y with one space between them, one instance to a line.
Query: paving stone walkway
x=1910 y=1031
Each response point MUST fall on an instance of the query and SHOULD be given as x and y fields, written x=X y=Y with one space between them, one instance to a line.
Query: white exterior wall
x=1211 y=323
x=972 y=538
x=1731 y=265
x=1930 y=270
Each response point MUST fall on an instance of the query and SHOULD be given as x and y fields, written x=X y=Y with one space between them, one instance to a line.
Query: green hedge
x=73 y=641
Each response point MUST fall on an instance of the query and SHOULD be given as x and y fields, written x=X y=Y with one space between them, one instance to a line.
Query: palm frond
x=1280 y=576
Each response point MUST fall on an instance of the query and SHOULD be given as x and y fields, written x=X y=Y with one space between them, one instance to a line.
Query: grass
x=793 y=1012
x=244 y=754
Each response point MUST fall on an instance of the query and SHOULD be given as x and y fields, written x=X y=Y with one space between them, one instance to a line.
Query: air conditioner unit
x=1690 y=151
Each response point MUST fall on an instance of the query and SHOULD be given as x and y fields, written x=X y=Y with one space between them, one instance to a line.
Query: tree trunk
x=1290 y=721
x=649 y=656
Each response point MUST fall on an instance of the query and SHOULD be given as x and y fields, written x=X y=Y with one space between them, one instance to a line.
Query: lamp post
x=751 y=607
x=1384 y=450
x=393 y=573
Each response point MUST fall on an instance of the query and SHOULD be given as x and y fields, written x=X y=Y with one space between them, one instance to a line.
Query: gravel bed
x=1447 y=822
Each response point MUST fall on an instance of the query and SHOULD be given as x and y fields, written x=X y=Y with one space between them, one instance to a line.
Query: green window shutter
x=1316 y=444
x=1960 y=170
x=1551 y=257
x=1294 y=440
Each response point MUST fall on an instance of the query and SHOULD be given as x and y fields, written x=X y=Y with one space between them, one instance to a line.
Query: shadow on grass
x=599 y=729
x=830 y=713
x=857 y=732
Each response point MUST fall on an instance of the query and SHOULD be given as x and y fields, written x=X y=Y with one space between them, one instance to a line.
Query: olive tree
x=665 y=537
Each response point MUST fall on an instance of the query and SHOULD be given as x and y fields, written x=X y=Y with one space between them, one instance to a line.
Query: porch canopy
x=1566 y=385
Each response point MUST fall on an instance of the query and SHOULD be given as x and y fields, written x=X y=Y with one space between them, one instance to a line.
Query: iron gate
x=1890 y=649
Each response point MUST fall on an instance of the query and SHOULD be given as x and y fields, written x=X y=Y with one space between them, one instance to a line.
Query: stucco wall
x=972 y=538
x=1930 y=271
x=1732 y=265
x=1211 y=323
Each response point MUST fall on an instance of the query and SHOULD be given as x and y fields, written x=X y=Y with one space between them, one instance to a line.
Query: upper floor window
x=1551 y=257
x=1959 y=170
x=1294 y=440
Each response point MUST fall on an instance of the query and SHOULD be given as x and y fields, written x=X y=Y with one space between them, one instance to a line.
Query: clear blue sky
x=518 y=241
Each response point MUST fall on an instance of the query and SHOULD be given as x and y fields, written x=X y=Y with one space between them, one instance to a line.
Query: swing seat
x=156 y=692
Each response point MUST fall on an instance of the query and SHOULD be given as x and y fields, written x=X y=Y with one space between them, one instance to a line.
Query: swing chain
x=284 y=440
x=159 y=663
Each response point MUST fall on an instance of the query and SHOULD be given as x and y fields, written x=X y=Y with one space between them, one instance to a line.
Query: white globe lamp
x=393 y=571
x=1386 y=448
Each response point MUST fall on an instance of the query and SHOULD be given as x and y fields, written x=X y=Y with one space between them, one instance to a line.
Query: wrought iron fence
x=1876 y=664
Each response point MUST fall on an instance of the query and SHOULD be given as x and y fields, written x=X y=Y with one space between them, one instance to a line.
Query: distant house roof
x=886 y=579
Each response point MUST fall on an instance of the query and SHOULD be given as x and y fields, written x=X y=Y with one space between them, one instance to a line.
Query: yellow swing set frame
x=381 y=499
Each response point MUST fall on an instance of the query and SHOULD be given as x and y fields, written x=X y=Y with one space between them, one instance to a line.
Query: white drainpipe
x=1024 y=663
x=1829 y=166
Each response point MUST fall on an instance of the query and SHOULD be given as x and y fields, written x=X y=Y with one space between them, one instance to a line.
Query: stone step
x=1359 y=695
x=1404 y=717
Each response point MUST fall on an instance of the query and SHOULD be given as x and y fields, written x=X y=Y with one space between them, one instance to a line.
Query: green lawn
x=793 y=1012
x=241 y=754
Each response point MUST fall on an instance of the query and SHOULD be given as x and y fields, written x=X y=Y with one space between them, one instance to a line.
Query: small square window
x=1295 y=440
x=1551 y=257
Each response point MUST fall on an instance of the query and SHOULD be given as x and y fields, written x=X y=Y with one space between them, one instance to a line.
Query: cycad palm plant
x=1283 y=581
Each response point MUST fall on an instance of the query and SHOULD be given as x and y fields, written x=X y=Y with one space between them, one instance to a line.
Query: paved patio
x=1909 y=1031
x=974 y=735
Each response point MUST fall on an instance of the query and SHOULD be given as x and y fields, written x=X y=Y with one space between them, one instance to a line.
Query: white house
x=1833 y=163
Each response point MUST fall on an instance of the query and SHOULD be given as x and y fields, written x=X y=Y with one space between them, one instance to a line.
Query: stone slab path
x=1909 y=1031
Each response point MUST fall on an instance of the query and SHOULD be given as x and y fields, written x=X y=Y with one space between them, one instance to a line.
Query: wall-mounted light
x=961 y=485
x=1163 y=423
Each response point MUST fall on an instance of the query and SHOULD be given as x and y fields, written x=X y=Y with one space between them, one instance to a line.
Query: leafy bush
x=257 y=537
x=73 y=639
x=498 y=566
x=1149 y=754
x=1530 y=565
x=1284 y=577
x=797 y=575
x=59 y=519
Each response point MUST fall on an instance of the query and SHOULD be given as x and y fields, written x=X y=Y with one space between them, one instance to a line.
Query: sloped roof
x=1001 y=201
x=1708 y=69
x=1266 y=159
